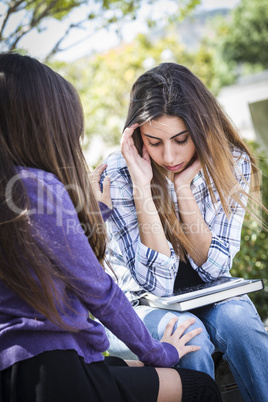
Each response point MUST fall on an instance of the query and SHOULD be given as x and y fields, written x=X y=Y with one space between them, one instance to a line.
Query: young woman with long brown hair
x=52 y=247
x=180 y=187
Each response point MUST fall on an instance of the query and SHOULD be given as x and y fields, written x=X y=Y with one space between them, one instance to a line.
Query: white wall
x=235 y=100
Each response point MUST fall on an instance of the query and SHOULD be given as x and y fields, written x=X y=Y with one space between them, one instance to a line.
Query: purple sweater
x=25 y=333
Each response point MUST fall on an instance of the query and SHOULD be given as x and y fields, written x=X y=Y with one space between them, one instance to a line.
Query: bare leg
x=196 y=385
x=170 y=386
x=134 y=363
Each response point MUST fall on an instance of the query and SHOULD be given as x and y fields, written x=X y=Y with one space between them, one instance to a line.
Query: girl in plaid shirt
x=180 y=187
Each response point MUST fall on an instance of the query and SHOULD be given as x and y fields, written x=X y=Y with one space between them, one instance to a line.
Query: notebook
x=188 y=298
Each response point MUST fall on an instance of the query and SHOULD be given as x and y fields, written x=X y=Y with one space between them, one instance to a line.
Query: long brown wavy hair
x=173 y=90
x=41 y=126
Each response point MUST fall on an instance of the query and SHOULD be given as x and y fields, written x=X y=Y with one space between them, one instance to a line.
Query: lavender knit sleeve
x=60 y=228
x=105 y=211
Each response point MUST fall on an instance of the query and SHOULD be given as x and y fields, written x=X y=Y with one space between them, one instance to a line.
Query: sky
x=39 y=44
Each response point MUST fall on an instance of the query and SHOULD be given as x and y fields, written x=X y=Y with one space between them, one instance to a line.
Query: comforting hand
x=105 y=195
x=140 y=168
x=177 y=338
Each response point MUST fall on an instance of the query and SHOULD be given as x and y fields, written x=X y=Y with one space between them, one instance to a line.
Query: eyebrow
x=176 y=135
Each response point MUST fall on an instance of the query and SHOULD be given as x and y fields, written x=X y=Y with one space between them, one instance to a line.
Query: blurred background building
x=246 y=102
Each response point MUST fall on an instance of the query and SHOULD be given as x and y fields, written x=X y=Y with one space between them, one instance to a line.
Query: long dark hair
x=41 y=125
x=173 y=90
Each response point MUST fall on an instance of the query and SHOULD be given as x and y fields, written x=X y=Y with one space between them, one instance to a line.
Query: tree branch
x=11 y=9
x=56 y=48
x=36 y=19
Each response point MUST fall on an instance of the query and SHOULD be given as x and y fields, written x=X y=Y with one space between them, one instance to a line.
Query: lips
x=174 y=168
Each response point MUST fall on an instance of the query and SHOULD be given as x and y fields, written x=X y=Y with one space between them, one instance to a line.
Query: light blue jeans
x=232 y=327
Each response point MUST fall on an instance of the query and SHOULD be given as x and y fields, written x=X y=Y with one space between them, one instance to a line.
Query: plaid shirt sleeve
x=226 y=232
x=153 y=271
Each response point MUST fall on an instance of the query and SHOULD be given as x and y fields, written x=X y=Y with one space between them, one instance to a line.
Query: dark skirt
x=63 y=376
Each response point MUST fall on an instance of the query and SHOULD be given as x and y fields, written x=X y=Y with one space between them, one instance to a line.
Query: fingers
x=106 y=195
x=188 y=349
x=95 y=185
x=130 y=130
x=179 y=333
x=170 y=327
x=127 y=136
x=94 y=177
x=96 y=174
x=184 y=348
x=106 y=186
x=99 y=169
x=183 y=326
x=179 y=338
x=190 y=335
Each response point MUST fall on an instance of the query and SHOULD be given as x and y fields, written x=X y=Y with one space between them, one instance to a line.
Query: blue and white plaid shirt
x=140 y=269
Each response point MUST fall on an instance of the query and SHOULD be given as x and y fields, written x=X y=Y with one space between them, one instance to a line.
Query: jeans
x=236 y=330
x=156 y=320
x=232 y=327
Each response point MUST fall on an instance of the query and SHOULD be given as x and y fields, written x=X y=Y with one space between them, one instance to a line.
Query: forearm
x=151 y=231
x=194 y=225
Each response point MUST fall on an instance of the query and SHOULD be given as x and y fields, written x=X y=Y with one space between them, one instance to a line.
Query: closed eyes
x=156 y=144
x=183 y=141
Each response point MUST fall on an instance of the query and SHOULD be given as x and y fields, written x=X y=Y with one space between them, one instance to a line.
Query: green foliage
x=245 y=39
x=226 y=70
x=252 y=260
x=51 y=8
x=185 y=9
x=238 y=42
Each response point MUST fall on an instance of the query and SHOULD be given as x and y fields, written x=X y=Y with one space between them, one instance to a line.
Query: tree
x=245 y=38
x=98 y=14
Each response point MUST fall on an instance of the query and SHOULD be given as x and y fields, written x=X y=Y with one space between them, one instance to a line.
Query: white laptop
x=188 y=298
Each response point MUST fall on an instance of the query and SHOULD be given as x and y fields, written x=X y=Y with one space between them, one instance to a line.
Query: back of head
x=41 y=118
x=41 y=124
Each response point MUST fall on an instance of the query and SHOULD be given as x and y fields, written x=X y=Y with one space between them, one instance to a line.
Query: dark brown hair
x=41 y=125
x=173 y=90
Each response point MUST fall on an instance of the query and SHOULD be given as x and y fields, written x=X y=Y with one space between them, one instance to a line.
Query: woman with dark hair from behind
x=180 y=187
x=52 y=242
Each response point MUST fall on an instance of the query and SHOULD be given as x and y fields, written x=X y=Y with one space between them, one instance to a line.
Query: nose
x=168 y=154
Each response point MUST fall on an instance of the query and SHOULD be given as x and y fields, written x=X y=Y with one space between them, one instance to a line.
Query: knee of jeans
x=161 y=326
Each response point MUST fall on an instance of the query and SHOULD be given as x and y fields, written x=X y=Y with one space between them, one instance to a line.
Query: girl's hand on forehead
x=140 y=168
x=184 y=178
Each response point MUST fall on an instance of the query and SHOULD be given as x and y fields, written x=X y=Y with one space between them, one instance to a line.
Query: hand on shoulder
x=103 y=196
